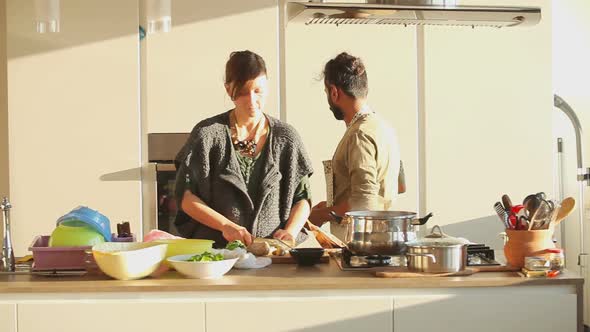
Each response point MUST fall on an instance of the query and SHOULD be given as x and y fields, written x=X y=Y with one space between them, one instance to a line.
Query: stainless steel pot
x=380 y=232
x=437 y=253
x=436 y=258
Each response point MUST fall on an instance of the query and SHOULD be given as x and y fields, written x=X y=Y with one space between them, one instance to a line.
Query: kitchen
x=85 y=79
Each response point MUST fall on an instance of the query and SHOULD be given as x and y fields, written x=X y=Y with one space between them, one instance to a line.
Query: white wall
x=389 y=55
x=186 y=67
x=73 y=115
x=488 y=120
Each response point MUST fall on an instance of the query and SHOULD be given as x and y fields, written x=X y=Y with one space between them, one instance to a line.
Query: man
x=366 y=163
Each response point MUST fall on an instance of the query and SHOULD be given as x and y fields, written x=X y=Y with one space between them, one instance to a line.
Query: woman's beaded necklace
x=248 y=145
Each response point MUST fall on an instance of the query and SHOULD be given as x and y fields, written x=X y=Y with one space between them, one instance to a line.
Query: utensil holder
x=521 y=244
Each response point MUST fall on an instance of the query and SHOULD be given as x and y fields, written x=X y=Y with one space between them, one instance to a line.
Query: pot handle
x=423 y=220
x=336 y=217
x=424 y=255
x=341 y=220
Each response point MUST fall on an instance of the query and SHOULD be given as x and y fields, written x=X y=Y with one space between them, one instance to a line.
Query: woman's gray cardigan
x=207 y=165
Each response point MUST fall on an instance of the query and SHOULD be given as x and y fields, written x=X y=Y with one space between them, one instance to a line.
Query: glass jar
x=556 y=259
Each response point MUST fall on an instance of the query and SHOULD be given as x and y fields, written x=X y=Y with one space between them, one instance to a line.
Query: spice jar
x=556 y=259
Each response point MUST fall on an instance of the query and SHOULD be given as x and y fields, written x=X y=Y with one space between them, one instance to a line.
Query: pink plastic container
x=59 y=258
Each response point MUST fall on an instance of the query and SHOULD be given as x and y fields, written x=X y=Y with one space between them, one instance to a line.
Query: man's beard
x=336 y=111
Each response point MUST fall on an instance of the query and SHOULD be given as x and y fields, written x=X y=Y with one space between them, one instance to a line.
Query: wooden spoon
x=567 y=206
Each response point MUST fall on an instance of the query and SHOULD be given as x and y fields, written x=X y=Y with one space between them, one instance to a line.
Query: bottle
x=556 y=259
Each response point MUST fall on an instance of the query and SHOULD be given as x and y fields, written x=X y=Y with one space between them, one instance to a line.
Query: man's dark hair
x=241 y=67
x=347 y=73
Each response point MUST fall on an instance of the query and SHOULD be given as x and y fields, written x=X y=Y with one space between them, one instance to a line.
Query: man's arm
x=321 y=214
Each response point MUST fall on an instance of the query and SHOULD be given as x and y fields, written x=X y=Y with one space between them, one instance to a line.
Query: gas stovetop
x=477 y=255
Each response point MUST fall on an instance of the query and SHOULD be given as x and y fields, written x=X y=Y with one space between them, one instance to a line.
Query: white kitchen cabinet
x=299 y=314
x=7 y=317
x=118 y=316
x=185 y=67
x=485 y=313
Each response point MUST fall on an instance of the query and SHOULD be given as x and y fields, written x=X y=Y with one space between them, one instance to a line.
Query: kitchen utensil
x=289 y=259
x=74 y=233
x=531 y=204
x=57 y=258
x=542 y=215
x=507 y=203
x=307 y=256
x=437 y=253
x=502 y=214
x=285 y=243
x=522 y=243
x=516 y=212
x=567 y=206
x=185 y=246
x=467 y=272
x=380 y=232
x=91 y=217
x=551 y=222
x=128 y=260
x=201 y=270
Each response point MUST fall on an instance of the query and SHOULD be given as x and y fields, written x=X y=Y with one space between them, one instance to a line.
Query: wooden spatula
x=567 y=206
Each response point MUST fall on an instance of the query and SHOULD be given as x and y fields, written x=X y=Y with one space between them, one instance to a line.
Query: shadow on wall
x=98 y=20
x=483 y=230
x=132 y=174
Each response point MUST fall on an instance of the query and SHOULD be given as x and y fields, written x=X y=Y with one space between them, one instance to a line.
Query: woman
x=243 y=174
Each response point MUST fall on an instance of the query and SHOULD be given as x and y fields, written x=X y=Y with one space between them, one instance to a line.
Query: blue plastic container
x=91 y=217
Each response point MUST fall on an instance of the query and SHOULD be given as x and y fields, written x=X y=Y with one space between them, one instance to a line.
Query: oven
x=161 y=201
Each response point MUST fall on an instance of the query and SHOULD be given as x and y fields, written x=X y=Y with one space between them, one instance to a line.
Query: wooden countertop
x=274 y=277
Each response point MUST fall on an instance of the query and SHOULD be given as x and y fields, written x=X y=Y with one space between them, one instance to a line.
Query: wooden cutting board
x=404 y=273
x=288 y=259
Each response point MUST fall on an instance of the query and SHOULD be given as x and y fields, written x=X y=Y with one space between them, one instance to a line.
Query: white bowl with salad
x=208 y=265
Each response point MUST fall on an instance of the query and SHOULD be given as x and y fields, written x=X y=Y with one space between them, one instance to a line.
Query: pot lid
x=382 y=214
x=439 y=239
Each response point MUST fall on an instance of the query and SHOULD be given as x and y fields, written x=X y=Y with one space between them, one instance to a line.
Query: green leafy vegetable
x=234 y=245
x=206 y=257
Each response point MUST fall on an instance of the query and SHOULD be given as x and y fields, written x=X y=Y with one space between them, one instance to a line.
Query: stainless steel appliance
x=410 y=12
x=478 y=255
x=380 y=232
x=162 y=149
x=8 y=261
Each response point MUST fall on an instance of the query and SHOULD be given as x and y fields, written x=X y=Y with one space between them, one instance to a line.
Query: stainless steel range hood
x=410 y=12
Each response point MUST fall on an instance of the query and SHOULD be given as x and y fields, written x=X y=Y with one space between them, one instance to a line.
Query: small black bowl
x=307 y=256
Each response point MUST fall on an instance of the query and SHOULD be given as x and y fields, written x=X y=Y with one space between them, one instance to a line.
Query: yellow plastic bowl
x=128 y=260
x=185 y=247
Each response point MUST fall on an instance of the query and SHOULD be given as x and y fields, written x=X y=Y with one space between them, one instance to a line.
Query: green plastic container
x=75 y=233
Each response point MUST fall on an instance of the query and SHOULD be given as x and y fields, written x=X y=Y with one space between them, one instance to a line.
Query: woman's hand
x=232 y=232
x=284 y=236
